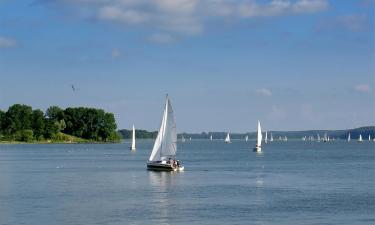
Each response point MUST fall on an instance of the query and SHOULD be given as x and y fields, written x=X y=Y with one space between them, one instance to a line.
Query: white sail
x=265 y=139
x=182 y=138
x=318 y=137
x=369 y=137
x=165 y=144
x=349 y=137
x=211 y=137
x=271 y=139
x=227 y=139
x=133 y=139
x=285 y=138
x=360 y=138
x=259 y=135
x=247 y=138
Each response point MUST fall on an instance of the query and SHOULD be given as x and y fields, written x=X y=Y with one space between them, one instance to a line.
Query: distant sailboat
x=304 y=138
x=211 y=137
x=325 y=139
x=258 y=145
x=190 y=138
x=133 y=140
x=271 y=139
x=360 y=138
x=348 y=137
x=227 y=139
x=285 y=138
x=183 y=139
x=266 y=139
x=318 y=138
x=165 y=147
x=246 y=138
x=280 y=138
x=369 y=137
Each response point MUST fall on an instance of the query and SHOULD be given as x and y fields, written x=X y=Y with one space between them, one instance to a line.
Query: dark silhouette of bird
x=73 y=88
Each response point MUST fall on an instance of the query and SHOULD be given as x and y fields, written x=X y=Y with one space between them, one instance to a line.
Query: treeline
x=141 y=134
x=22 y=123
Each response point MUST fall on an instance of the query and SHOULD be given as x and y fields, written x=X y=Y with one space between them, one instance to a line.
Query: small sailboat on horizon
x=258 y=145
x=163 y=154
x=132 y=147
x=246 y=138
x=227 y=139
x=182 y=138
x=211 y=137
x=266 y=138
x=360 y=138
x=349 y=137
x=271 y=139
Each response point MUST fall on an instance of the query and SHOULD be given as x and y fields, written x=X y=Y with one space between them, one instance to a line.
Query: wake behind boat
x=163 y=154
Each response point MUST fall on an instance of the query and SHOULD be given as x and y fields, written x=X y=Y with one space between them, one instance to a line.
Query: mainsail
x=259 y=135
x=227 y=139
x=133 y=139
x=165 y=144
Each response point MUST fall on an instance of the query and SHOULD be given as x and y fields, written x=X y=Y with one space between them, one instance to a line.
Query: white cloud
x=364 y=88
x=188 y=17
x=161 y=38
x=6 y=42
x=263 y=92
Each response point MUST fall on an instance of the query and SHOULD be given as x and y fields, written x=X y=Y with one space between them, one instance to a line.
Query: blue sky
x=293 y=64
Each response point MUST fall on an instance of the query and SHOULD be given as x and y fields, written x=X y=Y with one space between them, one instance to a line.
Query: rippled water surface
x=292 y=182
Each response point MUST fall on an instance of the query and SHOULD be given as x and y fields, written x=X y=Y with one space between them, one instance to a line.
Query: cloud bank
x=188 y=17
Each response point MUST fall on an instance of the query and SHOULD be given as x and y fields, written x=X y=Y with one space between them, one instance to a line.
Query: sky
x=292 y=64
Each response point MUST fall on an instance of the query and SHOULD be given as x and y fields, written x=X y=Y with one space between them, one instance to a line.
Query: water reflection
x=162 y=184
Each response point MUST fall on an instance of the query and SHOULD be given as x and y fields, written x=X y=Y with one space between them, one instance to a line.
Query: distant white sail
x=166 y=142
x=211 y=137
x=247 y=138
x=182 y=138
x=369 y=137
x=285 y=138
x=360 y=138
x=348 y=137
x=266 y=139
x=271 y=139
x=227 y=138
x=318 y=137
x=259 y=135
x=133 y=139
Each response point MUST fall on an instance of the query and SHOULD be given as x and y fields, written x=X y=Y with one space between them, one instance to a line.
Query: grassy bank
x=59 y=138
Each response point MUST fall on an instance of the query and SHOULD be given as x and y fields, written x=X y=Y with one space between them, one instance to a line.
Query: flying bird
x=73 y=88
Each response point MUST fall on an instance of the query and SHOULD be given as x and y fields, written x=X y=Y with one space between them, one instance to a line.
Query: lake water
x=292 y=182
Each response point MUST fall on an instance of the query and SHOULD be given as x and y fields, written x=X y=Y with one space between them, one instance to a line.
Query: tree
x=38 y=124
x=17 y=118
x=55 y=113
x=2 y=117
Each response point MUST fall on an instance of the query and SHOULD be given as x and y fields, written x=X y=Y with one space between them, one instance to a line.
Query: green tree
x=55 y=113
x=17 y=118
x=2 y=118
x=51 y=129
x=38 y=124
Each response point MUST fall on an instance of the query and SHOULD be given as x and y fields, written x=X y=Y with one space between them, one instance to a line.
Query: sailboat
x=266 y=139
x=285 y=138
x=258 y=145
x=165 y=147
x=227 y=139
x=133 y=140
x=318 y=137
x=271 y=139
x=369 y=137
x=360 y=138
x=182 y=138
x=246 y=138
x=348 y=137
x=211 y=137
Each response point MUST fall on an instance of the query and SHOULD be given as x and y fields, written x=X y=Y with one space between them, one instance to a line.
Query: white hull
x=257 y=149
